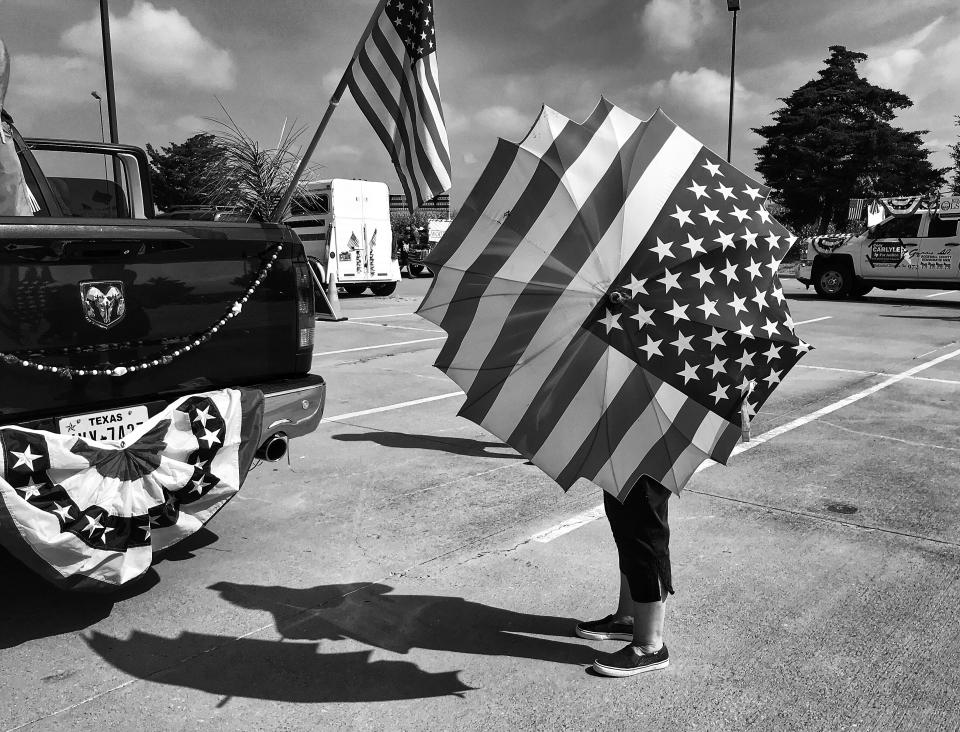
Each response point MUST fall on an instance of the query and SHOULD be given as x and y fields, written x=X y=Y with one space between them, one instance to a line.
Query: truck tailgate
x=98 y=295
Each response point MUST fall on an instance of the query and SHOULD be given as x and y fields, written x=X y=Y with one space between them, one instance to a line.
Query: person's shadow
x=292 y=670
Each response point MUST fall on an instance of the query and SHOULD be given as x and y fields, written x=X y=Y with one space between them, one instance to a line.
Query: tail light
x=305 y=313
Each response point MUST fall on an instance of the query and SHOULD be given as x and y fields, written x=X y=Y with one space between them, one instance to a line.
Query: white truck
x=345 y=229
x=920 y=250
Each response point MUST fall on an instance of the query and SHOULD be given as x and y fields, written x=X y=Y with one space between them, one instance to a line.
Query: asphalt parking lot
x=406 y=570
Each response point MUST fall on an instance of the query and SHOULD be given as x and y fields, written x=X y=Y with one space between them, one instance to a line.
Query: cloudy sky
x=499 y=60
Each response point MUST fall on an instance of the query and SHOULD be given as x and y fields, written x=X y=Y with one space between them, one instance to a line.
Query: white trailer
x=345 y=229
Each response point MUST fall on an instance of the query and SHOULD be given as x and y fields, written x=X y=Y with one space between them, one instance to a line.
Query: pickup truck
x=108 y=311
x=919 y=250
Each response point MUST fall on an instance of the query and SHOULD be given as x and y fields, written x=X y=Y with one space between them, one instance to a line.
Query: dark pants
x=642 y=535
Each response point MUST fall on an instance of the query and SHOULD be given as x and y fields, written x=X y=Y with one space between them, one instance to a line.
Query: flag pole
x=281 y=207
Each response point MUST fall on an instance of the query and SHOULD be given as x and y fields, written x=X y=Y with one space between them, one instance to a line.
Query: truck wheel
x=416 y=270
x=859 y=290
x=354 y=290
x=384 y=289
x=832 y=281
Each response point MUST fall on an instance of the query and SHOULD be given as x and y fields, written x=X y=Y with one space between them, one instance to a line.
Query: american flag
x=83 y=512
x=393 y=78
x=611 y=297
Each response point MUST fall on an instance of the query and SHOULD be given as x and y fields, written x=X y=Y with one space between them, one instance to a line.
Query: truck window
x=942 y=228
x=899 y=227
x=83 y=184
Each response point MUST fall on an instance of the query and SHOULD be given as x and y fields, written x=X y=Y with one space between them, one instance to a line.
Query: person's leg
x=648 y=620
x=625 y=603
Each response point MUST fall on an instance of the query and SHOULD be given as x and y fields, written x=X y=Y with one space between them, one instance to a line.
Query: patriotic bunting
x=611 y=297
x=87 y=513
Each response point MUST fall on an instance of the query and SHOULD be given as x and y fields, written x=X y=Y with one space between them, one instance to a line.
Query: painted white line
x=382 y=345
x=571 y=524
x=390 y=407
x=858 y=372
x=814 y=320
x=398 y=327
x=938 y=294
x=374 y=317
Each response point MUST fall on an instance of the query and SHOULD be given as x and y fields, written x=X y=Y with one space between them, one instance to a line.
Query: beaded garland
x=161 y=359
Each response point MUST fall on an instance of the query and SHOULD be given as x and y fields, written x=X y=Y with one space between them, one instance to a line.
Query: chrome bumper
x=293 y=407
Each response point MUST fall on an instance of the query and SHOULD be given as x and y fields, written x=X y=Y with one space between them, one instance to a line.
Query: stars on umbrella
x=683 y=343
x=611 y=321
x=643 y=317
x=670 y=280
x=636 y=286
x=662 y=249
x=64 y=512
x=682 y=217
x=210 y=438
x=694 y=245
x=688 y=372
x=32 y=489
x=712 y=295
x=652 y=347
x=698 y=190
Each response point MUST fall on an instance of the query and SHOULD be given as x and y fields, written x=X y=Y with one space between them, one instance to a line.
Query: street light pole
x=108 y=69
x=734 y=7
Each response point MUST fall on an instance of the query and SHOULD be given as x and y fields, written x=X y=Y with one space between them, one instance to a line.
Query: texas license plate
x=114 y=424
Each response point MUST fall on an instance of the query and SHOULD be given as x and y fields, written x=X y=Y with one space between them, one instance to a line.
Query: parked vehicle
x=94 y=279
x=345 y=229
x=920 y=250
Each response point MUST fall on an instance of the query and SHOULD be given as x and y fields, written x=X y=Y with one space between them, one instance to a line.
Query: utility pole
x=734 y=7
x=108 y=70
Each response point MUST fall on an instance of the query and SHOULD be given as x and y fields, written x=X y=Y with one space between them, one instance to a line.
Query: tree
x=955 y=155
x=180 y=173
x=834 y=140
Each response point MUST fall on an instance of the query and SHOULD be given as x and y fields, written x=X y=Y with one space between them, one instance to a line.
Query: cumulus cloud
x=893 y=64
x=49 y=81
x=162 y=45
x=704 y=90
x=502 y=120
x=676 y=25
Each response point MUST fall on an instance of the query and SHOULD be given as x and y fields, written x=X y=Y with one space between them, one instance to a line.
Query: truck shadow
x=33 y=608
x=301 y=667
x=452 y=445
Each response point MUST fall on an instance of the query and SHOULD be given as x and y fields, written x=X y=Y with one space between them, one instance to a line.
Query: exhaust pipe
x=274 y=448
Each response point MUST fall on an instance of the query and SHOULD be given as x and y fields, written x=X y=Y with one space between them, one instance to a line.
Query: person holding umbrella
x=642 y=535
x=610 y=294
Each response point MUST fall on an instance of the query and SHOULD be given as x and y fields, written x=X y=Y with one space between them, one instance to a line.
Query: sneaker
x=627 y=662
x=605 y=629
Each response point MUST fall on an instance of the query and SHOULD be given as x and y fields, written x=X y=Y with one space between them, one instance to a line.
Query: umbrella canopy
x=611 y=298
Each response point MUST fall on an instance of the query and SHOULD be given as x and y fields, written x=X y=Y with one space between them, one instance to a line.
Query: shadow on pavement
x=878 y=300
x=33 y=608
x=452 y=445
x=37 y=609
x=294 y=670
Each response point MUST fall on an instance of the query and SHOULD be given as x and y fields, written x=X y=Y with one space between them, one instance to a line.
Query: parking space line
x=398 y=327
x=373 y=317
x=938 y=294
x=861 y=372
x=382 y=345
x=391 y=407
x=581 y=519
x=814 y=320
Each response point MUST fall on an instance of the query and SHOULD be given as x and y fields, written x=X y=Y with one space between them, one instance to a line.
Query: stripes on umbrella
x=399 y=95
x=551 y=223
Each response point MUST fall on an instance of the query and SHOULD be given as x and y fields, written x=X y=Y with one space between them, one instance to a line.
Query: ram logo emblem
x=103 y=302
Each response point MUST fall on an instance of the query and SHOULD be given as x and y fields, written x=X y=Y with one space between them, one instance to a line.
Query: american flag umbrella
x=610 y=294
